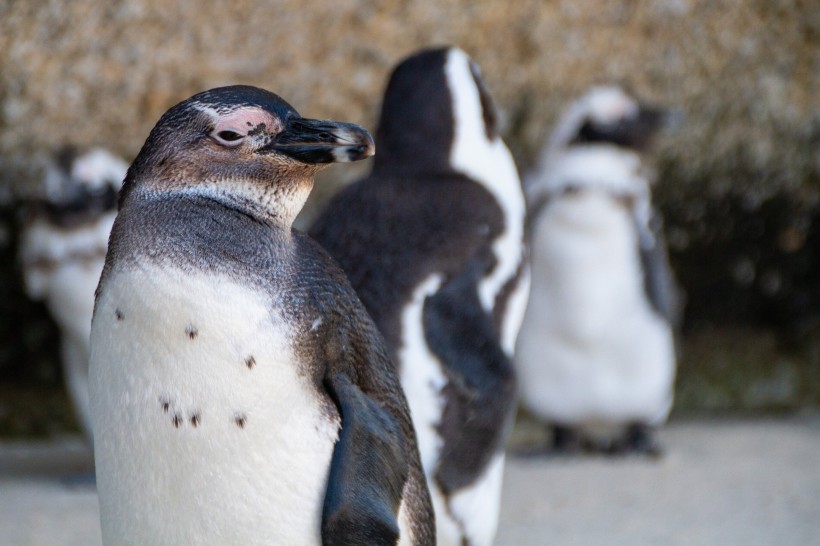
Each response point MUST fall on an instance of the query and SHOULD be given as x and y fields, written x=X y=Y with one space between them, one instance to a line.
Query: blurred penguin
x=596 y=353
x=432 y=241
x=62 y=248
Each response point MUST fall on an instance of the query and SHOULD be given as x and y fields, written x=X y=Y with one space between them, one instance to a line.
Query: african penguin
x=432 y=241
x=596 y=354
x=240 y=393
x=62 y=248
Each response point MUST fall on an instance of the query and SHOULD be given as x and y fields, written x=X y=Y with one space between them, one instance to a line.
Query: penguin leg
x=637 y=439
x=640 y=439
x=565 y=440
x=368 y=470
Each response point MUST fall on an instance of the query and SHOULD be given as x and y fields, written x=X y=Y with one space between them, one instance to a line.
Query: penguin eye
x=227 y=137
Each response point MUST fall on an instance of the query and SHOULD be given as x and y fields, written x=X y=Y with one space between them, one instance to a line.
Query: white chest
x=206 y=429
x=63 y=267
x=586 y=264
x=592 y=348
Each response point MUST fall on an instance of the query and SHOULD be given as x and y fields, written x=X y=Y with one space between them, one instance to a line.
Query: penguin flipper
x=367 y=472
x=659 y=282
x=480 y=394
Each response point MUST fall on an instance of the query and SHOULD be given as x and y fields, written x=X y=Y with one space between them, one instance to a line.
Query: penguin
x=63 y=239
x=240 y=393
x=432 y=241
x=596 y=354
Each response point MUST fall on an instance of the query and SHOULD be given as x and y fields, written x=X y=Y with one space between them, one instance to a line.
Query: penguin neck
x=602 y=168
x=274 y=201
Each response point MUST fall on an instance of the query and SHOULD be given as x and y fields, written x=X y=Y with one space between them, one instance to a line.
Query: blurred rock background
x=738 y=182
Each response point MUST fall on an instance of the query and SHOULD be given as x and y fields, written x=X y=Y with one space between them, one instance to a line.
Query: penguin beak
x=650 y=117
x=318 y=142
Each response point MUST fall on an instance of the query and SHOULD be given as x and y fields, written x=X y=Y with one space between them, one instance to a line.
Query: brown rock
x=90 y=72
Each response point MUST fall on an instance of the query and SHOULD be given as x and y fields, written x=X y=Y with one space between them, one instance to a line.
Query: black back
x=390 y=234
x=415 y=216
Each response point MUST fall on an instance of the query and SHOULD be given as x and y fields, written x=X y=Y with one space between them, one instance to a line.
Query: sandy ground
x=720 y=483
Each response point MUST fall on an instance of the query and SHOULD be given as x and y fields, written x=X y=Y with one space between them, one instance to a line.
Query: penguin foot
x=566 y=440
x=561 y=442
x=639 y=439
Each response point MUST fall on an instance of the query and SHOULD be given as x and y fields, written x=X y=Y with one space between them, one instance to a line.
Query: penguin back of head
x=419 y=118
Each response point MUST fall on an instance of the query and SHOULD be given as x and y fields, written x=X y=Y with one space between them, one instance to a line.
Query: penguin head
x=432 y=99
x=79 y=187
x=242 y=140
x=607 y=115
x=597 y=144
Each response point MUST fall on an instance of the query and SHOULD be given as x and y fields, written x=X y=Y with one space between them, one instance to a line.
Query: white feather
x=98 y=167
x=603 y=167
x=449 y=531
x=471 y=513
x=479 y=503
x=216 y=482
x=62 y=267
x=422 y=376
x=489 y=163
x=592 y=350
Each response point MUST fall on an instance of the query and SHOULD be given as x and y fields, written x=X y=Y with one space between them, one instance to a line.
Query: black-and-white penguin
x=240 y=393
x=62 y=249
x=432 y=241
x=596 y=354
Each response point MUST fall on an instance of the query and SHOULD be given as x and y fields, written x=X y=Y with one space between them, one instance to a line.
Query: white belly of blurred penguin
x=233 y=442
x=595 y=351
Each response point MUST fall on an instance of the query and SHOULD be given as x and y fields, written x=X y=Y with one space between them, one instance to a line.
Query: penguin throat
x=272 y=200
x=275 y=201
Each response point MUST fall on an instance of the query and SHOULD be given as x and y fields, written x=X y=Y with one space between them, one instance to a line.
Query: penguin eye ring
x=227 y=137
